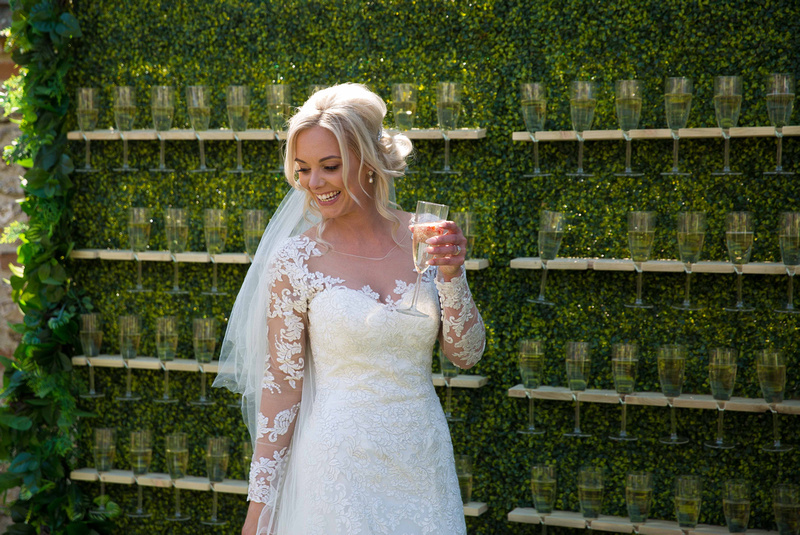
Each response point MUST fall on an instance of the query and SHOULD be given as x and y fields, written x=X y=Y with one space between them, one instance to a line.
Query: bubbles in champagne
x=727 y=109
x=740 y=246
x=534 y=113
x=447 y=112
x=87 y=119
x=677 y=107
x=124 y=117
x=582 y=113
x=238 y=117
x=200 y=117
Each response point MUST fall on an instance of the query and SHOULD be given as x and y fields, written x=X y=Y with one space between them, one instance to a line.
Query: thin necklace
x=367 y=257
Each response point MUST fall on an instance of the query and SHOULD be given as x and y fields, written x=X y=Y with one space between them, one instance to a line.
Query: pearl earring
x=370 y=174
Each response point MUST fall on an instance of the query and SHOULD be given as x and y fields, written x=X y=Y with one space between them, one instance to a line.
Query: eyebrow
x=298 y=160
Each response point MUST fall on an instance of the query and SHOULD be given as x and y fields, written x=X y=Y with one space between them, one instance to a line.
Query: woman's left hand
x=448 y=250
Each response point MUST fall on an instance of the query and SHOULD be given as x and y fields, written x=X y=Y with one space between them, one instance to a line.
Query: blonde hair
x=354 y=115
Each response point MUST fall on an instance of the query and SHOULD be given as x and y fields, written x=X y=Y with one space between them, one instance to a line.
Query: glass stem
x=790 y=289
x=124 y=151
x=161 y=153
x=128 y=378
x=202 y=386
x=639 y=286
x=686 y=301
x=166 y=383
x=449 y=402
x=446 y=152
x=214 y=507
x=202 y=153
x=726 y=168
x=544 y=528
x=102 y=493
x=739 y=302
x=577 y=415
x=535 y=155
x=177 y=502
x=91 y=379
x=580 y=154
x=673 y=424
x=531 y=423
x=88 y=153
x=778 y=134
x=624 y=426
x=719 y=426
x=280 y=154
x=139 y=508
x=138 y=275
x=416 y=292
x=544 y=281
x=628 y=155
x=175 y=286
x=238 y=153
x=776 y=430
x=674 y=151
x=214 y=283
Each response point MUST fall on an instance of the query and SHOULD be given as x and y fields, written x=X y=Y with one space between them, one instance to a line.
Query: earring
x=370 y=174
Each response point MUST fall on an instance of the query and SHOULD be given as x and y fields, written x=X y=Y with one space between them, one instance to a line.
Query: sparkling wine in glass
x=124 y=117
x=141 y=458
x=88 y=109
x=139 y=221
x=464 y=474
x=533 y=97
x=582 y=103
x=247 y=456
x=254 y=223
x=771 y=370
x=216 y=232
x=641 y=234
x=722 y=369
x=628 y=103
x=448 y=109
x=543 y=488
x=177 y=464
x=104 y=450
x=176 y=226
x=691 y=235
x=166 y=348
x=780 y=101
x=404 y=106
x=279 y=105
x=638 y=497
x=789 y=238
x=579 y=365
x=204 y=340
x=449 y=371
x=466 y=221
x=162 y=105
x=238 y=100
x=688 y=500
x=424 y=226
x=531 y=367
x=739 y=239
x=727 y=105
x=217 y=456
x=677 y=104
x=551 y=231
x=198 y=102
x=590 y=491
x=786 y=507
x=91 y=335
x=129 y=338
x=624 y=360
x=671 y=370
x=736 y=504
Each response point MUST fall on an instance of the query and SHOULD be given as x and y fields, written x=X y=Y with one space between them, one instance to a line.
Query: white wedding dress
x=363 y=446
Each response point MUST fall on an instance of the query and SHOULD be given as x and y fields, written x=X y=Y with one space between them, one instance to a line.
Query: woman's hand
x=251 y=522
x=448 y=250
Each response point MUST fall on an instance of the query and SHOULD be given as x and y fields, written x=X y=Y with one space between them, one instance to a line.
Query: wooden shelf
x=224 y=134
x=656 y=133
x=461 y=381
x=155 y=479
x=655 y=266
x=435 y=133
x=475 y=508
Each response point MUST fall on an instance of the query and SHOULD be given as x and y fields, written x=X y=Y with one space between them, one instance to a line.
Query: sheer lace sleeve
x=463 y=333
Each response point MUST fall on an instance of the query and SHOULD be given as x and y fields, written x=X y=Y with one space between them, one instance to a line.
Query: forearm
x=463 y=332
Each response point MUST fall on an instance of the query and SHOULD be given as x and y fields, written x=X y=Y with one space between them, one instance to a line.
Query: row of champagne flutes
x=204 y=342
x=691 y=231
x=671 y=361
x=780 y=94
x=688 y=498
x=217 y=457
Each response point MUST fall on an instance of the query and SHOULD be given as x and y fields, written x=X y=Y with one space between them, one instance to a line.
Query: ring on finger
x=458 y=250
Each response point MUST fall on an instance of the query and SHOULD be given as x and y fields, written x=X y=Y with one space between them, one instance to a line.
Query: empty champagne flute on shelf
x=780 y=101
x=579 y=365
x=464 y=474
x=176 y=227
x=582 y=102
x=129 y=337
x=449 y=371
x=641 y=234
x=677 y=104
x=166 y=348
x=739 y=240
x=624 y=359
x=139 y=221
x=247 y=457
x=141 y=457
x=124 y=117
x=543 y=488
x=448 y=109
x=722 y=369
x=736 y=504
x=204 y=340
x=691 y=235
x=551 y=231
x=628 y=103
x=638 y=497
x=217 y=456
x=786 y=507
x=671 y=372
x=177 y=464
x=198 y=102
x=771 y=371
x=404 y=106
x=216 y=232
x=91 y=334
x=254 y=223
x=424 y=225
x=590 y=491
x=238 y=100
x=727 y=105
x=789 y=238
x=88 y=109
x=531 y=366
x=279 y=104
x=688 y=500
x=162 y=105
x=533 y=97
x=104 y=449
x=467 y=223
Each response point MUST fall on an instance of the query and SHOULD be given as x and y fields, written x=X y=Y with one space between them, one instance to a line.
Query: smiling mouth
x=328 y=197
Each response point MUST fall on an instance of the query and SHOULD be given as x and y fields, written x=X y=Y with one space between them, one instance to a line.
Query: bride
x=349 y=435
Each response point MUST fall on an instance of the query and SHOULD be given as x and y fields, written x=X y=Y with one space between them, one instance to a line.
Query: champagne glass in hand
x=677 y=103
x=624 y=359
x=448 y=108
x=238 y=99
x=104 y=449
x=162 y=103
x=204 y=339
x=641 y=233
x=217 y=456
x=582 y=102
x=786 y=506
x=216 y=232
x=579 y=364
x=628 y=103
x=534 y=113
x=88 y=109
x=129 y=337
x=671 y=369
x=91 y=338
x=449 y=371
x=424 y=225
x=139 y=221
x=404 y=106
x=141 y=457
x=531 y=366
x=551 y=231
x=176 y=226
x=590 y=491
x=736 y=504
x=688 y=499
x=722 y=376
x=739 y=239
x=198 y=101
x=771 y=370
x=279 y=104
x=166 y=347
x=727 y=105
x=691 y=235
x=177 y=464
x=124 y=116
x=780 y=101
x=638 y=497
x=789 y=237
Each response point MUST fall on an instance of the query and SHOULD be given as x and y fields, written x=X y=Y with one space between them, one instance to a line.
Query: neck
x=365 y=232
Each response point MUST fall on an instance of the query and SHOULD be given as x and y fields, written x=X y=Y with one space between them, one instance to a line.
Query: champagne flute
x=780 y=101
x=448 y=108
x=238 y=99
x=688 y=500
x=638 y=497
x=579 y=364
x=582 y=102
x=628 y=103
x=177 y=464
x=736 y=504
x=543 y=488
x=590 y=491
x=129 y=337
x=124 y=116
x=216 y=231
x=789 y=237
x=217 y=455
x=198 y=101
x=424 y=225
x=247 y=457
x=786 y=506
x=404 y=106
x=531 y=367
x=104 y=450
x=722 y=376
x=466 y=222
x=624 y=359
x=534 y=112
x=279 y=104
x=551 y=231
x=449 y=371
x=139 y=221
x=176 y=226
x=727 y=105
x=91 y=335
x=691 y=235
x=464 y=474
x=162 y=104
x=641 y=233
x=141 y=457
x=671 y=370
x=739 y=239
x=87 y=110
x=204 y=340
x=166 y=347
x=254 y=223
x=677 y=103
x=771 y=370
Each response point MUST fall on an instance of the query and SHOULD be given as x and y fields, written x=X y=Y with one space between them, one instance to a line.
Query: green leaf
x=73 y=27
x=21 y=423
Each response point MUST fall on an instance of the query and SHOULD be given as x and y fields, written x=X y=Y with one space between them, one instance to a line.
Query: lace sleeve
x=463 y=332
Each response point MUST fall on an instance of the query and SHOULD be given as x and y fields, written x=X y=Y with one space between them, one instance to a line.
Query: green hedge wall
x=491 y=46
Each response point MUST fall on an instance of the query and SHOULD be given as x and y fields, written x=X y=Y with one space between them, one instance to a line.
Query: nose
x=315 y=180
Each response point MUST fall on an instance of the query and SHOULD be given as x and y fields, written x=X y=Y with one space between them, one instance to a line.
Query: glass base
x=777 y=448
x=631 y=173
x=742 y=308
x=165 y=400
x=182 y=517
x=675 y=173
x=577 y=434
x=87 y=170
x=673 y=440
x=234 y=405
x=99 y=511
x=177 y=291
x=580 y=174
x=719 y=445
x=638 y=305
x=125 y=169
x=725 y=173
x=214 y=292
x=538 y=301
x=139 y=514
x=239 y=171
x=689 y=307
x=213 y=522
x=784 y=173
x=531 y=431
x=623 y=438
x=133 y=396
x=280 y=171
x=201 y=170
x=203 y=402
x=411 y=312
x=446 y=172
x=534 y=175
x=453 y=419
x=161 y=170
x=787 y=310
x=93 y=395
x=139 y=290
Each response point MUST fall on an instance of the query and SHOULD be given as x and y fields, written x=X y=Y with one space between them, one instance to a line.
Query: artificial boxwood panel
x=491 y=47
